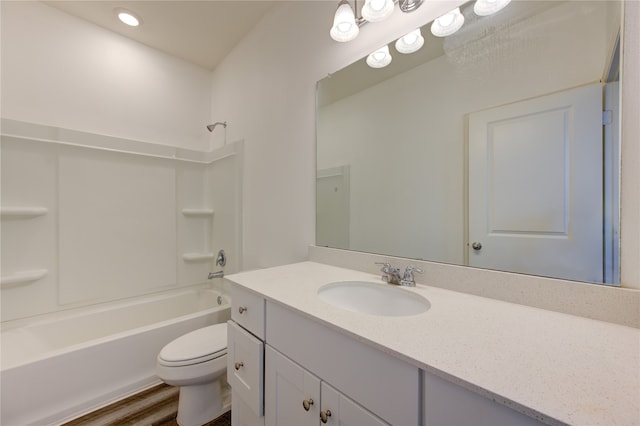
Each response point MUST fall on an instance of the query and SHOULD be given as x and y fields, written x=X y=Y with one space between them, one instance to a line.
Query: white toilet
x=197 y=363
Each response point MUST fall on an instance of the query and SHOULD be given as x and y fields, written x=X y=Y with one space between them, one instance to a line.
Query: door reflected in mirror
x=487 y=148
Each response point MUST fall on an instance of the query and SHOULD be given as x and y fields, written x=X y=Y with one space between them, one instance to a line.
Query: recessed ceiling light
x=128 y=17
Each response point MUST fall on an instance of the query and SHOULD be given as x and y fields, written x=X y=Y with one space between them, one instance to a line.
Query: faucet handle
x=411 y=269
x=386 y=266
x=407 y=279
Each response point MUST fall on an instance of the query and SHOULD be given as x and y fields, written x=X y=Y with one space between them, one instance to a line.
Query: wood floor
x=157 y=406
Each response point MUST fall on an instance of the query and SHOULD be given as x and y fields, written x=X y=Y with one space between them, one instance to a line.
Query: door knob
x=476 y=246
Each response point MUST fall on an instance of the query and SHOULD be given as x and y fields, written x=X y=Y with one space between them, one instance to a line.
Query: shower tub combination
x=58 y=367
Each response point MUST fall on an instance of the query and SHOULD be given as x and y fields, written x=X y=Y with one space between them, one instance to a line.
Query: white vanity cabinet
x=286 y=368
x=294 y=396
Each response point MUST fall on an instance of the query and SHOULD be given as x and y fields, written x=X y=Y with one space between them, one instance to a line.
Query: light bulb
x=344 y=23
x=380 y=58
x=377 y=5
x=344 y=27
x=448 y=23
x=128 y=17
x=411 y=42
x=410 y=38
x=489 y=7
x=447 y=19
x=377 y=10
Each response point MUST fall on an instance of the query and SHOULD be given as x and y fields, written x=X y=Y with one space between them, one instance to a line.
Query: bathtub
x=57 y=368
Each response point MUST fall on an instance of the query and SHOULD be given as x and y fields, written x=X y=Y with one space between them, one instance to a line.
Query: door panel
x=535 y=186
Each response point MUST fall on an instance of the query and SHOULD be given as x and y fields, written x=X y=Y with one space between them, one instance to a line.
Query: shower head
x=210 y=127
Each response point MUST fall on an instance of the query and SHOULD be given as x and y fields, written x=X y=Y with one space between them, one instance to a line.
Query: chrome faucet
x=213 y=275
x=392 y=275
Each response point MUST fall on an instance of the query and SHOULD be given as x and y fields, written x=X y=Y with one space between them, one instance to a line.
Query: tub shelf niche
x=22 y=278
x=197 y=212
x=197 y=257
x=22 y=212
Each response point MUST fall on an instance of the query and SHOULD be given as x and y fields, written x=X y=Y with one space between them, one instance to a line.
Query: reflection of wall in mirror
x=405 y=137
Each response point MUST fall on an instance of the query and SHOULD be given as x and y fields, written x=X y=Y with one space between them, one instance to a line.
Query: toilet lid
x=197 y=346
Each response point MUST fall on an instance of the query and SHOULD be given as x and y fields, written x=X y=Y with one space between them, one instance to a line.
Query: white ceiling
x=202 y=32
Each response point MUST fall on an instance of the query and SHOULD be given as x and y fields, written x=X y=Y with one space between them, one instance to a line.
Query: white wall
x=61 y=71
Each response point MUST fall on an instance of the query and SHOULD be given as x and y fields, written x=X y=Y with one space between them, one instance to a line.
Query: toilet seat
x=195 y=347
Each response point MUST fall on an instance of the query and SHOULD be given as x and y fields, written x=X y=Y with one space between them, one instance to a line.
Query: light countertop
x=549 y=365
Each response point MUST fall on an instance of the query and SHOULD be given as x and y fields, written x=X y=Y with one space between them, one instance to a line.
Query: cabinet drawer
x=245 y=366
x=247 y=309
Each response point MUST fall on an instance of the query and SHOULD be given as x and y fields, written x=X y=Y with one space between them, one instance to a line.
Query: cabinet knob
x=307 y=403
x=242 y=309
x=239 y=364
x=324 y=415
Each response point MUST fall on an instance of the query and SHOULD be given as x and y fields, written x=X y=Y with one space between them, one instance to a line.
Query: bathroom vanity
x=295 y=359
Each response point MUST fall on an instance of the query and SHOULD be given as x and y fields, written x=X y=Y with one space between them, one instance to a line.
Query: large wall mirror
x=488 y=147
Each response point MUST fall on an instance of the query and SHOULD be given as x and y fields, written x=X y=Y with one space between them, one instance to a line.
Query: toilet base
x=199 y=404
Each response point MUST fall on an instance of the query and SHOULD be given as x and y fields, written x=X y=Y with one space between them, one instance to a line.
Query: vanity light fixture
x=128 y=17
x=448 y=23
x=344 y=26
x=411 y=42
x=347 y=23
x=380 y=58
x=377 y=10
x=489 y=7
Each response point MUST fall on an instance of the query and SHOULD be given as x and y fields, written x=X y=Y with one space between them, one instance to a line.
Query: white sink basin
x=373 y=298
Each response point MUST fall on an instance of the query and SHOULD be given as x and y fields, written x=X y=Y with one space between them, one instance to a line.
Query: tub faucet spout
x=213 y=275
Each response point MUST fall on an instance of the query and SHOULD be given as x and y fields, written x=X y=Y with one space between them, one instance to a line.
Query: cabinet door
x=287 y=387
x=245 y=365
x=242 y=414
x=341 y=411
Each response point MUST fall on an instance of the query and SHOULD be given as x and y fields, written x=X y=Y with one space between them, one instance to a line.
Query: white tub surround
x=554 y=367
x=143 y=217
